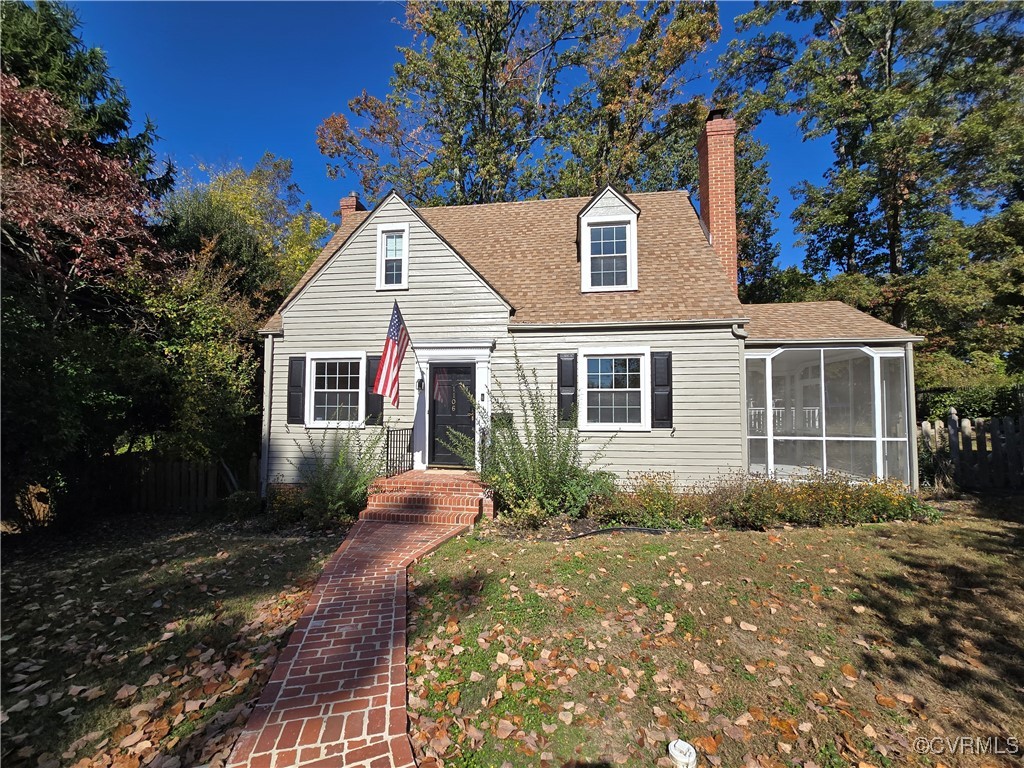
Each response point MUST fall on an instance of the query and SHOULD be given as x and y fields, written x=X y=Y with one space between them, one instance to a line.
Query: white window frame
x=587 y=224
x=383 y=230
x=342 y=356
x=879 y=439
x=644 y=353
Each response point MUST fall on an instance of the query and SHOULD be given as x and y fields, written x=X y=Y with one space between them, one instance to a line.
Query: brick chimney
x=351 y=203
x=716 y=154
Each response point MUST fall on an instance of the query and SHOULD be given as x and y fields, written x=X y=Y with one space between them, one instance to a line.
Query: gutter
x=837 y=340
x=627 y=324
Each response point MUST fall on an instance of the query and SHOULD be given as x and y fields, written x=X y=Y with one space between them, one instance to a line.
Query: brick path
x=337 y=695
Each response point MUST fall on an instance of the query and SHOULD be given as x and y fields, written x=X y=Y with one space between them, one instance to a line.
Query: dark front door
x=451 y=388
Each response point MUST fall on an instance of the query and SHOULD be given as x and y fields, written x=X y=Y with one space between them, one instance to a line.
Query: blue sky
x=227 y=81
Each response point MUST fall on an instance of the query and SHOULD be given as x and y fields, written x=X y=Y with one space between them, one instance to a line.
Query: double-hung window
x=616 y=389
x=608 y=255
x=392 y=256
x=336 y=389
x=609 y=260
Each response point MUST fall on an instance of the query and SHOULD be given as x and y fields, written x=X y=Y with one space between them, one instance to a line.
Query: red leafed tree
x=69 y=214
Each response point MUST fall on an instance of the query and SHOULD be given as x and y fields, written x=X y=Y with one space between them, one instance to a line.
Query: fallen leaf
x=125 y=691
x=504 y=729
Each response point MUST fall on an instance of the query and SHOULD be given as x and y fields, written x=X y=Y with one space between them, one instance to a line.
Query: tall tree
x=470 y=103
x=73 y=237
x=257 y=222
x=41 y=48
x=511 y=100
x=923 y=104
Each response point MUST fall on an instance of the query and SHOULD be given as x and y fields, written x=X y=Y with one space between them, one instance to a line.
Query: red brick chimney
x=351 y=203
x=716 y=154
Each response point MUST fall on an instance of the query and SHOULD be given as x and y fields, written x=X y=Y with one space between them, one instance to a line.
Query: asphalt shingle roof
x=527 y=252
x=818 y=321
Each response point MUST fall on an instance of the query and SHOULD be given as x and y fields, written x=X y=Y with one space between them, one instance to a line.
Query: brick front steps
x=337 y=695
x=447 y=497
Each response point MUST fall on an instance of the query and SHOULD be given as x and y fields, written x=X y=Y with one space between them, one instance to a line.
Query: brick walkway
x=337 y=695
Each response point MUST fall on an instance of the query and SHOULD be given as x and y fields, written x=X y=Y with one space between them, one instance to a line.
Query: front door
x=451 y=390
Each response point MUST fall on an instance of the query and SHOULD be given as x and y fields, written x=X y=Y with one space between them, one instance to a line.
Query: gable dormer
x=607 y=243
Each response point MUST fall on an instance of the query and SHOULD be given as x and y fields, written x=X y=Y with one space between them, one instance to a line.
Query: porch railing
x=793 y=420
x=397 y=451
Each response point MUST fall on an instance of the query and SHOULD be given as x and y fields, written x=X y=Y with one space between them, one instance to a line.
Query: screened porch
x=829 y=409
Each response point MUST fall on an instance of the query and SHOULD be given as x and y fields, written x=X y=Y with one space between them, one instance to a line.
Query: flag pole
x=412 y=347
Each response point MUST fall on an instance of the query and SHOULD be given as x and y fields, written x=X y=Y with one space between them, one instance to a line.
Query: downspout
x=912 y=413
x=740 y=333
x=268 y=386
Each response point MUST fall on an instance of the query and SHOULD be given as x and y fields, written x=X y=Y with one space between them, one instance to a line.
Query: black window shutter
x=566 y=387
x=374 y=403
x=661 y=389
x=296 y=390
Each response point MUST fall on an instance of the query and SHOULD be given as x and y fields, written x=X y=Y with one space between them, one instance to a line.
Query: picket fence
x=983 y=454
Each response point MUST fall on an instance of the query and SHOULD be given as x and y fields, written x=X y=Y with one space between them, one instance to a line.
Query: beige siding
x=706 y=400
x=609 y=205
x=341 y=310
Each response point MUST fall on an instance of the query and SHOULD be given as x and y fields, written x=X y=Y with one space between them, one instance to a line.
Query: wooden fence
x=182 y=486
x=983 y=454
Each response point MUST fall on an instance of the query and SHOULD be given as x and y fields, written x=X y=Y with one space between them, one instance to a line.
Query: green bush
x=824 y=499
x=978 y=402
x=650 y=500
x=531 y=459
x=337 y=471
x=286 y=505
x=240 y=505
x=737 y=501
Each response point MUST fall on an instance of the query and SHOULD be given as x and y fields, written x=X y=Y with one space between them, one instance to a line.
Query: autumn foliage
x=69 y=213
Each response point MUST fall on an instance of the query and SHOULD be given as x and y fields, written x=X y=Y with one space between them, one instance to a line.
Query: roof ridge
x=542 y=200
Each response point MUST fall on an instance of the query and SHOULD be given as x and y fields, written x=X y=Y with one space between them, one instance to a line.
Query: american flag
x=391 y=358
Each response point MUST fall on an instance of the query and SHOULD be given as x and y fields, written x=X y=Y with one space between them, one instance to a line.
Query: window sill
x=335 y=425
x=614 y=428
x=610 y=289
x=392 y=287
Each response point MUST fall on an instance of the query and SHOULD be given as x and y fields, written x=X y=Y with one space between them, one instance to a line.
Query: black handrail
x=398 y=451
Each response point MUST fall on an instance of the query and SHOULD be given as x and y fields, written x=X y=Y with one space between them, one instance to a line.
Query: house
x=624 y=304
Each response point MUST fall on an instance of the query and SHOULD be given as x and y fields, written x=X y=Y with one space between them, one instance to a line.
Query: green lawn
x=144 y=638
x=828 y=647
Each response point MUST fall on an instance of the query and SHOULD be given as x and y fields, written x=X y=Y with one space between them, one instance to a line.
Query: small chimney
x=349 y=204
x=716 y=155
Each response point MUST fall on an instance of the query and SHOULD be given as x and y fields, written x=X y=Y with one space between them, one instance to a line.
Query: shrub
x=240 y=505
x=974 y=402
x=337 y=471
x=650 y=500
x=286 y=505
x=825 y=499
x=531 y=459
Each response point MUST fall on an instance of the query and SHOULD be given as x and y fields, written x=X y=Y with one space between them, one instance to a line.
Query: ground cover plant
x=789 y=647
x=145 y=643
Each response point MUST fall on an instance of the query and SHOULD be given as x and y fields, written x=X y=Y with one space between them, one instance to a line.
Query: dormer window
x=392 y=257
x=608 y=260
x=608 y=255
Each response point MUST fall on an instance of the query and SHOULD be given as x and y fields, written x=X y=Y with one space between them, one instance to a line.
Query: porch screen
x=827 y=409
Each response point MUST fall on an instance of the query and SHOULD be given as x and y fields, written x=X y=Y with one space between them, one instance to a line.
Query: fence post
x=997 y=470
x=981 y=452
x=211 y=485
x=1014 y=451
x=953 y=433
x=968 y=458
